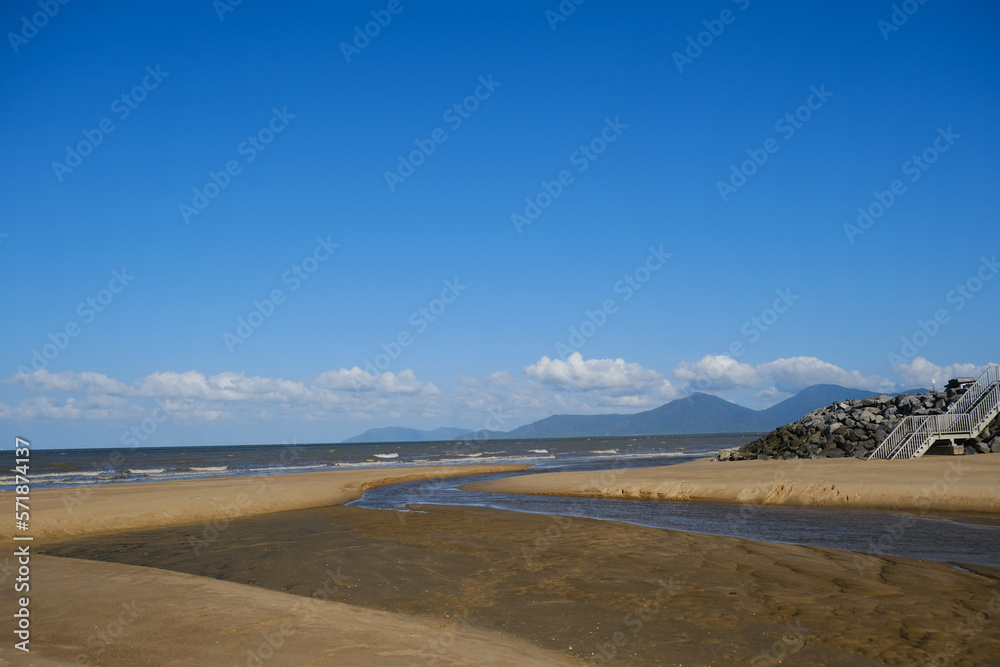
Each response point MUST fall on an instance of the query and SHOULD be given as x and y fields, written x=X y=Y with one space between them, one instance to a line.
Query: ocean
x=51 y=468
x=950 y=538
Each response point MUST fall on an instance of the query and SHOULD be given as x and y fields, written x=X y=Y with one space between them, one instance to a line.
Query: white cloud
x=772 y=395
x=635 y=402
x=796 y=373
x=42 y=380
x=591 y=386
x=498 y=401
x=716 y=372
x=786 y=376
x=42 y=407
x=922 y=373
x=577 y=373
x=192 y=395
x=553 y=386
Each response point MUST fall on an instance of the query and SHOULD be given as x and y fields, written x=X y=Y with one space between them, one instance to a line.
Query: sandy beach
x=930 y=483
x=90 y=613
x=298 y=579
x=108 y=508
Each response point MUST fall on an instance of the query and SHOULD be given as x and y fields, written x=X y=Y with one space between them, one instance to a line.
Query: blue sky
x=652 y=177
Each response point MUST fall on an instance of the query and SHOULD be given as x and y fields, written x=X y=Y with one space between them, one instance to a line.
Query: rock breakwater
x=855 y=428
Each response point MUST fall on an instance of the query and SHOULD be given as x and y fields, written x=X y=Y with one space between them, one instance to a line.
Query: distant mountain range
x=400 y=434
x=809 y=399
x=697 y=413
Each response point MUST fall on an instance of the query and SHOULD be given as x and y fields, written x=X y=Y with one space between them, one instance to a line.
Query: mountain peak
x=697 y=412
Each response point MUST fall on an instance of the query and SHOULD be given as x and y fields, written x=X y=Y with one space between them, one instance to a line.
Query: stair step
x=913 y=436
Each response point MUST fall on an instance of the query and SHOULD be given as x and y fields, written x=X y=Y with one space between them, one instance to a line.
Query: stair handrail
x=986 y=409
x=988 y=378
x=904 y=429
x=919 y=440
x=977 y=407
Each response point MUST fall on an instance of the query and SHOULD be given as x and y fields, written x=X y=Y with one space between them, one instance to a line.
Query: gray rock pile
x=855 y=428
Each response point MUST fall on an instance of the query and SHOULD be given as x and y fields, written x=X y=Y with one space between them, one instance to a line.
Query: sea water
x=956 y=538
x=73 y=467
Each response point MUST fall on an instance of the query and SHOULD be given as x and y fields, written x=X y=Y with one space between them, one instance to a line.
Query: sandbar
x=929 y=483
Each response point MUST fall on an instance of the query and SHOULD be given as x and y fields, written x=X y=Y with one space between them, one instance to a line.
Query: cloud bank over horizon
x=353 y=396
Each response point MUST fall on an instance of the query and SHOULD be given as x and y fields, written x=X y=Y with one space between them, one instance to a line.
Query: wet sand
x=89 y=613
x=108 y=508
x=81 y=612
x=345 y=585
x=930 y=483
x=600 y=592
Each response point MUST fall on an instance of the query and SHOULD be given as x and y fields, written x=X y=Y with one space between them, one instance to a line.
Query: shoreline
x=927 y=484
x=464 y=585
x=68 y=512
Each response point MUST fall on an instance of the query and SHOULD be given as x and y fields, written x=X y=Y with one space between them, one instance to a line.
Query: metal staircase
x=966 y=418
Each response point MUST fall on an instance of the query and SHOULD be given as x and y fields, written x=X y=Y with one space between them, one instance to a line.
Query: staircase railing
x=966 y=418
x=989 y=378
x=905 y=429
x=923 y=435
